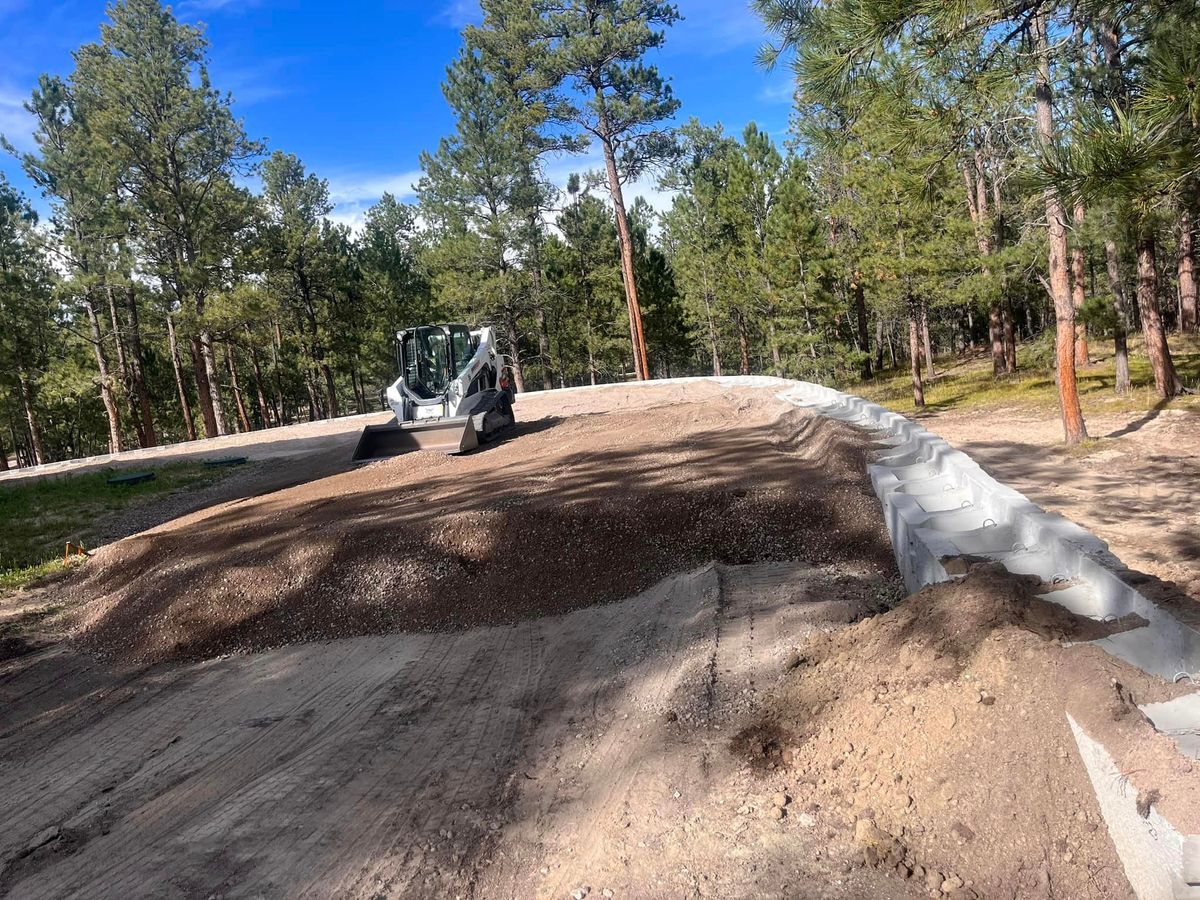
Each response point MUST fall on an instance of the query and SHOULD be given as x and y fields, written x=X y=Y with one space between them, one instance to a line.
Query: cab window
x=460 y=340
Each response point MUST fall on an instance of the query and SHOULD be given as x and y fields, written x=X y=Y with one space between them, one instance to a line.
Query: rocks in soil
x=879 y=849
x=962 y=833
x=1146 y=800
x=42 y=838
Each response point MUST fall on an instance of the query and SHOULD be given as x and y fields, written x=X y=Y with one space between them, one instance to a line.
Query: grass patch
x=966 y=382
x=40 y=516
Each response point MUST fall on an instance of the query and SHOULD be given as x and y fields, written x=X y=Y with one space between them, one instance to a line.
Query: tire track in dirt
x=212 y=773
x=412 y=765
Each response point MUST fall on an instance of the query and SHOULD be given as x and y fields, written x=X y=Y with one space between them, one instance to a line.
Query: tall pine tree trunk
x=360 y=389
x=879 y=344
x=185 y=408
x=264 y=410
x=860 y=316
x=27 y=404
x=1188 y=312
x=1078 y=295
x=235 y=385
x=137 y=369
x=977 y=205
x=914 y=353
x=1166 y=381
x=213 y=386
x=203 y=395
x=105 y=380
x=1010 y=338
x=539 y=317
x=743 y=343
x=1120 y=332
x=514 y=342
x=773 y=340
x=927 y=339
x=996 y=333
x=1074 y=428
x=333 y=408
x=123 y=365
x=625 y=240
x=713 y=344
x=282 y=417
x=3 y=457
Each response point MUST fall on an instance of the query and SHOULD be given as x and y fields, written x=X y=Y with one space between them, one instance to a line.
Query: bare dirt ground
x=584 y=750
x=1135 y=486
x=612 y=656
x=292 y=442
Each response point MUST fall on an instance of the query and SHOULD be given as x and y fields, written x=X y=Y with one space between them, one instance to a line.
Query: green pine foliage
x=163 y=299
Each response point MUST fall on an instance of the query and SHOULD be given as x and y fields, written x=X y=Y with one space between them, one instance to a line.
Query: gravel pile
x=589 y=509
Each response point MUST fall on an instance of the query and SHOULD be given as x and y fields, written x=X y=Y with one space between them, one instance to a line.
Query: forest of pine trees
x=967 y=175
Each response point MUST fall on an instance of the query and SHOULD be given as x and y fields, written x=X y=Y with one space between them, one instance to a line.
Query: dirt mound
x=593 y=508
x=936 y=737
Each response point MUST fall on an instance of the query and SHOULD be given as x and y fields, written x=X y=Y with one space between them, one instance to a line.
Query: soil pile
x=935 y=736
x=570 y=512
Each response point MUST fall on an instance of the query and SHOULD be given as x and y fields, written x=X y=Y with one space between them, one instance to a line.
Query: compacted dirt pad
x=613 y=656
x=530 y=760
x=568 y=512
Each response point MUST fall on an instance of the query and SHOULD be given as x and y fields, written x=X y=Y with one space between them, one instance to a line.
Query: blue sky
x=354 y=88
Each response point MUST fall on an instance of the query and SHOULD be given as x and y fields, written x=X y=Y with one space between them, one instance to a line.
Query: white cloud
x=264 y=79
x=189 y=7
x=353 y=193
x=16 y=123
x=559 y=168
x=352 y=187
x=459 y=14
x=779 y=91
x=352 y=215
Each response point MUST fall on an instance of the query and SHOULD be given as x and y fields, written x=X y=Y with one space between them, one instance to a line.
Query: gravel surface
x=568 y=512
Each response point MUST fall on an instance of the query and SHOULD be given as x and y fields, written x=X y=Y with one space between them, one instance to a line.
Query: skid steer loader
x=453 y=393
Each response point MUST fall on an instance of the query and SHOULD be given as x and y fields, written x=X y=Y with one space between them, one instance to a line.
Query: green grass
x=40 y=516
x=966 y=382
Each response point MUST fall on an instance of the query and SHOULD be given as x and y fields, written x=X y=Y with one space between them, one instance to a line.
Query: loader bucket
x=456 y=435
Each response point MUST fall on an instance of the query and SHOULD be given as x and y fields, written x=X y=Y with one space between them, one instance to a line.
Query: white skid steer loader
x=453 y=393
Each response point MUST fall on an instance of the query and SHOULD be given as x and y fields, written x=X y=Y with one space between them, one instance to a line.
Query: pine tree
x=589 y=276
x=838 y=47
x=24 y=307
x=747 y=202
x=79 y=180
x=595 y=49
x=695 y=230
x=476 y=192
x=305 y=252
x=173 y=144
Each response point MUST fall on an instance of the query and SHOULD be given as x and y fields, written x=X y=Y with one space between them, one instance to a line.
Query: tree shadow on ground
x=539 y=530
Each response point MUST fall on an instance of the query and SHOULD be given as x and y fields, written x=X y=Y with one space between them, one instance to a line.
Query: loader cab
x=432 y=356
